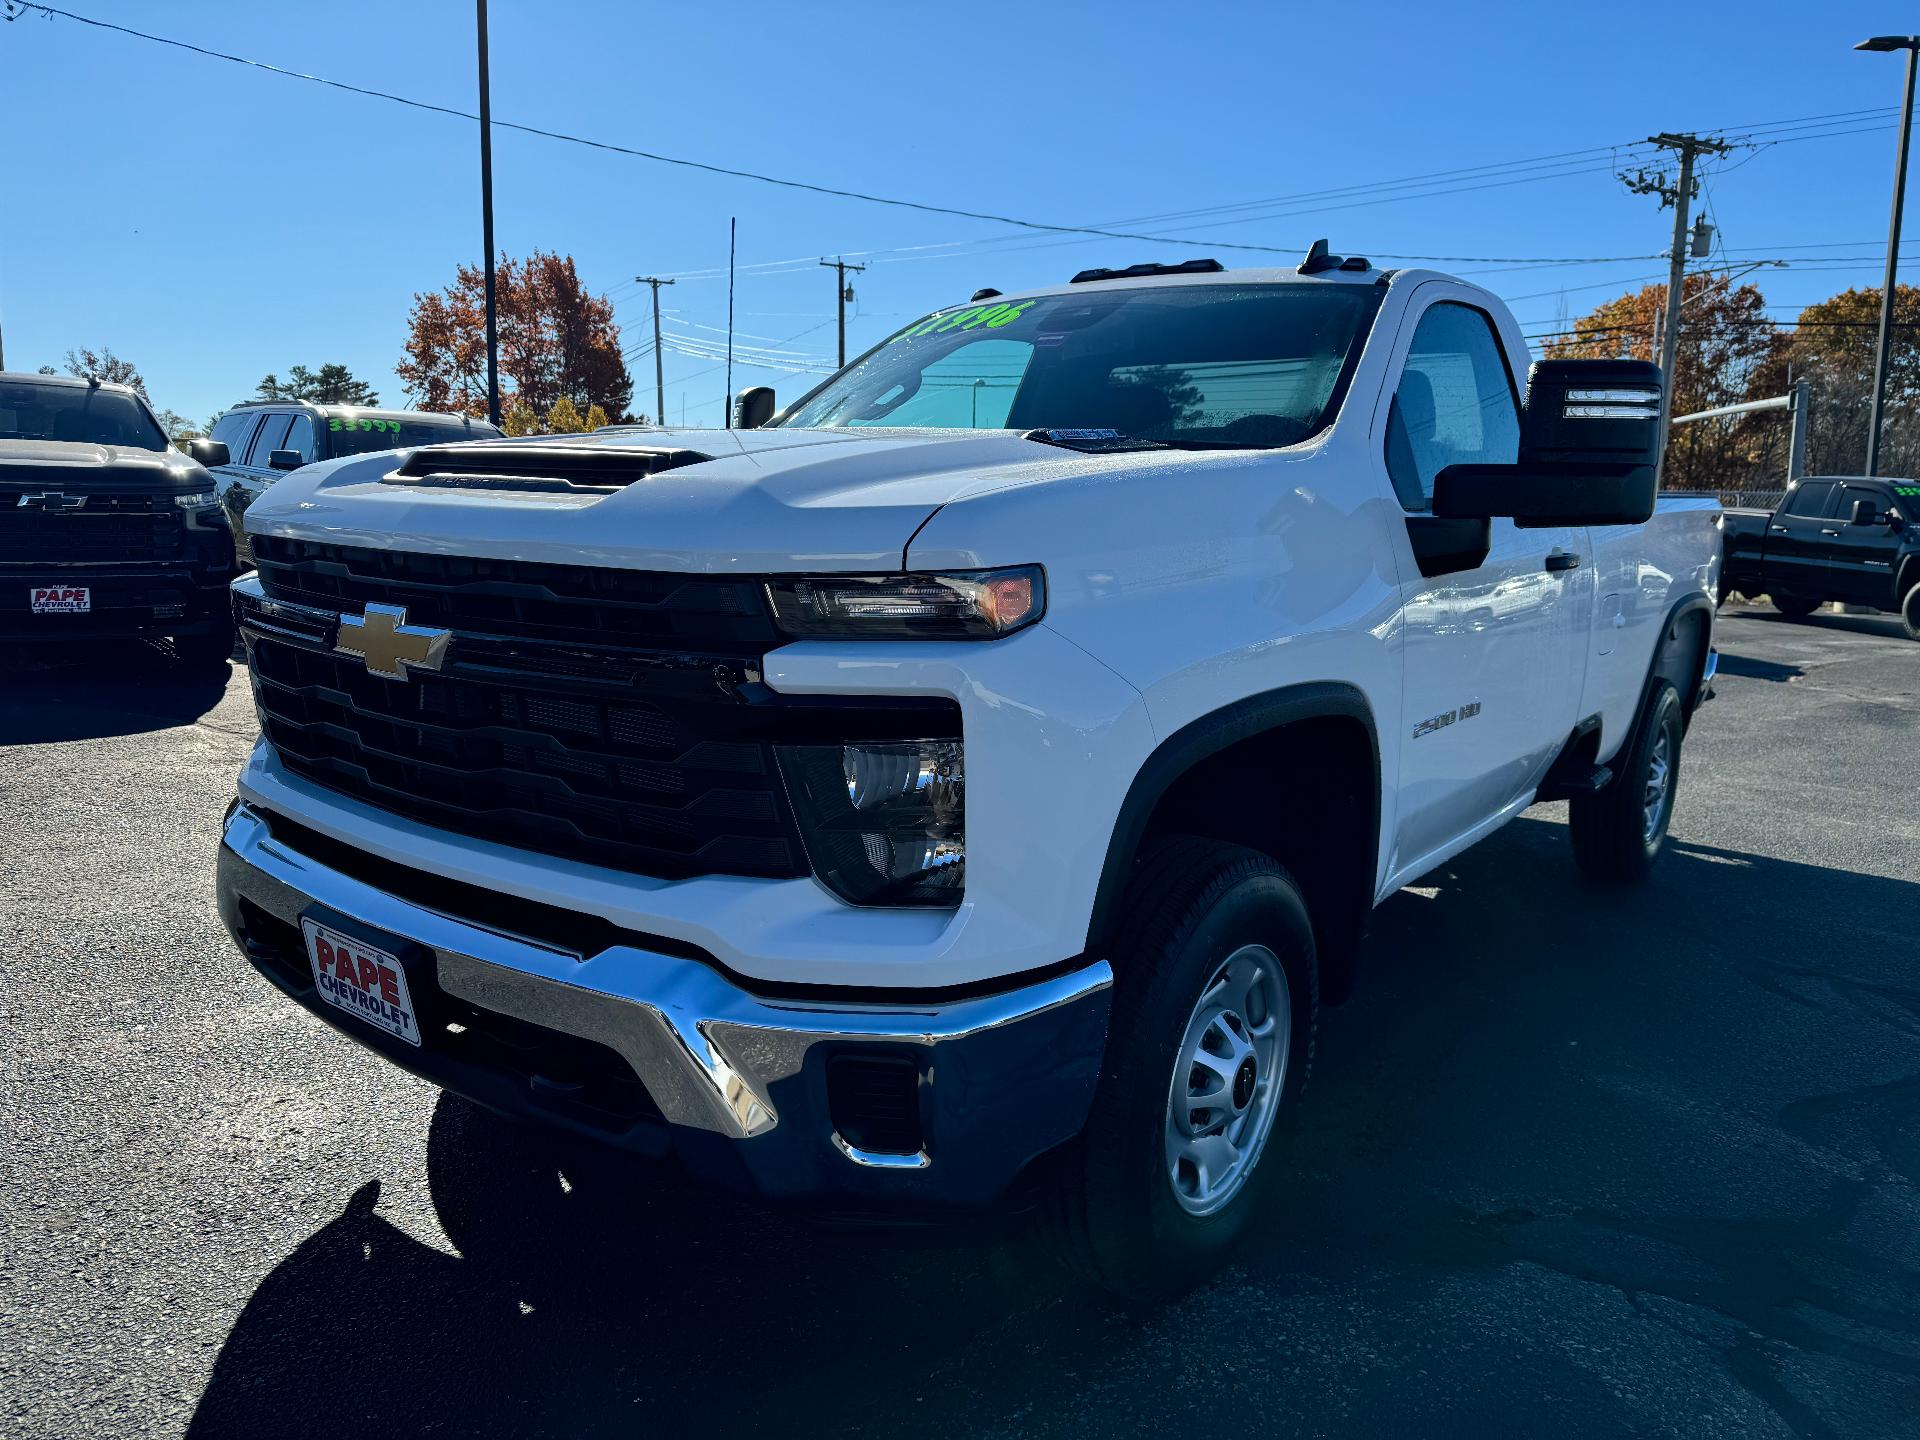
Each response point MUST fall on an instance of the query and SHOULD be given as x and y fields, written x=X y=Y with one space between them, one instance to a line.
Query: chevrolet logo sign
x=383 y=639
x=52 y=500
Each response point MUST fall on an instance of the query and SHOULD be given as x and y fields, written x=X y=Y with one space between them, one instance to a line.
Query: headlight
x=958 y=605
x=884 y=821
x=203 y=511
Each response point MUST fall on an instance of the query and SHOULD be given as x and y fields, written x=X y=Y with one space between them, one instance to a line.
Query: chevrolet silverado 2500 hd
x=106 y=531
x=971 y=781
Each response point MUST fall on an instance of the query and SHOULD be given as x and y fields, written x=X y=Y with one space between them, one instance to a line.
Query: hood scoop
x=536 y=469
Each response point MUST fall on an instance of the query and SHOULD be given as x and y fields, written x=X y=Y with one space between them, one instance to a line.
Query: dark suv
x=267 y=438
x=105 y=529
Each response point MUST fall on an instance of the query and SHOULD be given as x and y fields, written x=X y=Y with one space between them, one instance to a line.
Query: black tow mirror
x=753 y=407
x=1865 y=512
x=1589 y=451
x=209 y=452
x=285 y=459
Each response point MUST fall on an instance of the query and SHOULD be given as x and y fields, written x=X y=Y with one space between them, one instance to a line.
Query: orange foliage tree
x=557 y=342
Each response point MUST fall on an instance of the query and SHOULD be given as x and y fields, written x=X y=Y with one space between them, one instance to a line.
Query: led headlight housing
x=202 y=510
x=884 y=821
x=952 y=605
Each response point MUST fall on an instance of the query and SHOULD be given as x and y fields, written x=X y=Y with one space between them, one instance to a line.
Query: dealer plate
x=361 y=980
x=60 y=599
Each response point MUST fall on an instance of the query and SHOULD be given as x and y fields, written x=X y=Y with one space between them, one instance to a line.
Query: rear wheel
x=1794 y=605
x=1910 y=613
x=1216 y=1000
x=1619 y=831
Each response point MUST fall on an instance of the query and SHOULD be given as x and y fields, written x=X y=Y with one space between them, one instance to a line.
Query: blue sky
x=214 y=223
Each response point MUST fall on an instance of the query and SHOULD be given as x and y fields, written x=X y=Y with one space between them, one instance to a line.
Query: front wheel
x=1216 y=1002
x=1619 y=831
x=1910 y=613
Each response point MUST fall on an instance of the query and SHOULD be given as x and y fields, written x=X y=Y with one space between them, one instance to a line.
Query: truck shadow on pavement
x=1556 y=1121
x=101 y=690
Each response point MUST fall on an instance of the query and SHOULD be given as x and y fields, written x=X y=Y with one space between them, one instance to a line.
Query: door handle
x=1558 y=560
x=1778 y=529
x=1825 y=531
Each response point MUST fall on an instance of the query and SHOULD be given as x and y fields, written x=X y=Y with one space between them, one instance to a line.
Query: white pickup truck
x=965 y=786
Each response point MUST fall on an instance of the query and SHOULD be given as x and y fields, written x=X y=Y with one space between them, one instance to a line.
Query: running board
x=1587 y=780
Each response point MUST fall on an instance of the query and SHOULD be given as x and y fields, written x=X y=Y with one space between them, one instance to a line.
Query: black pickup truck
x=1834 y=537
x=105 y=529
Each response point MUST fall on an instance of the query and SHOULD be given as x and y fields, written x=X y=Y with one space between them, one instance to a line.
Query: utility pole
x=1680 y=196
x=659 y=384
x=486 y=216
x=1884 y=352
x=843 y=292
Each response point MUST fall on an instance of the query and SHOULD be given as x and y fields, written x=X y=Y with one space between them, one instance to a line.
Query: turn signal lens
x=960 y=605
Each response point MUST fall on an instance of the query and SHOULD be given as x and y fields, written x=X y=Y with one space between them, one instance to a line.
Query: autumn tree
x=106 y=367
x=330 y=385
x=557 y=342
x=1832 y=348
x=1726 y=344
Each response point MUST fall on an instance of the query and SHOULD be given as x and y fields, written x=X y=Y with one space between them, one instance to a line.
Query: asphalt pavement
x=1573 y=1162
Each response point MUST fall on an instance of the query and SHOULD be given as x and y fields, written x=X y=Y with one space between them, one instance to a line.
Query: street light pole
x=486 y=216
x=1883 y=352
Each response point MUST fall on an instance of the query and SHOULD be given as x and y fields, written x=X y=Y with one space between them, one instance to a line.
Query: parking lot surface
x=1573 y=1161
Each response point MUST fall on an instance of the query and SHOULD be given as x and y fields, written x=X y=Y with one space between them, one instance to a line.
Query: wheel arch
x=1252 y=751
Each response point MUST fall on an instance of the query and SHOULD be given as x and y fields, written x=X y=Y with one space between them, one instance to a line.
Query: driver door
x=1494 y=656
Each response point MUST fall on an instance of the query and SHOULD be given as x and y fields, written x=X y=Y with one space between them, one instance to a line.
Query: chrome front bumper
x=739 y=1080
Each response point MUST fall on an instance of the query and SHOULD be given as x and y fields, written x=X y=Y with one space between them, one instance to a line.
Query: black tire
x=1796 y=606
x=1113 y=1214
x=1615 y=836
x=1910 y=613
x=208 y=651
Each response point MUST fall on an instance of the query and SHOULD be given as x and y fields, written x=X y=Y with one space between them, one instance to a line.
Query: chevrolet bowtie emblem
x=389 y=645
x=51 y=500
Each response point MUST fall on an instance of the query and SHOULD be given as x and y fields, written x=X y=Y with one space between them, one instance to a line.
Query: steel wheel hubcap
x=1227 y=1079
x=1659 y=784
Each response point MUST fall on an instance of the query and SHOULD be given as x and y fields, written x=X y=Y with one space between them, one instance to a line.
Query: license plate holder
x=372 y=976
x=60 y=599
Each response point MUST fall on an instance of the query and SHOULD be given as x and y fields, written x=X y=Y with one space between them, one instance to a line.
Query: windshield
x=362 y=434
x=1185 y=365
x=80 y=413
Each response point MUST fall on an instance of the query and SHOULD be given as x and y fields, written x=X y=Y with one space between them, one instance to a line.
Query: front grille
x=108 y=530
x=671 y=785
x=569 y=603
x=606 y=716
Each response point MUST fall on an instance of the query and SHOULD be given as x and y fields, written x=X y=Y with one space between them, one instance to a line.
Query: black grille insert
x=578 y=604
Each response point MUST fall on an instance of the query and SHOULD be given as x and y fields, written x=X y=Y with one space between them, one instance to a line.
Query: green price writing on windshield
x=1910 y=492
x=393 y=425
x=990 y=317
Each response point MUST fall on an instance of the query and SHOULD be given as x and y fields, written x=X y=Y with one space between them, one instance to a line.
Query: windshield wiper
x=1094 y=442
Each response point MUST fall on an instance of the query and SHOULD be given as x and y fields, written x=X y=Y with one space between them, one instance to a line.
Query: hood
x=766 y=500
x=81 y=468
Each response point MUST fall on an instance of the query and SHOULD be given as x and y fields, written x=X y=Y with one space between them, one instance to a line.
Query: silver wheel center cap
x=1244 y=1080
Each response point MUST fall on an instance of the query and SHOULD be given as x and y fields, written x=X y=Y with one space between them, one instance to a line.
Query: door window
x=272 y=437
x=233 y=430
x=1455 y=404
x=1811 y=498
x=300 y=438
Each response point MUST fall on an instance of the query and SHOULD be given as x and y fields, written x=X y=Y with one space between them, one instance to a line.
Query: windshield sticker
x=338 y=425
x=1907 y=492
x=991 y=317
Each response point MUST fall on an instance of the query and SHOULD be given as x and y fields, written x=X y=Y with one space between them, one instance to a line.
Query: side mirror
x=209 y=452
x=1589 y=450
x=753 y=407
x=1865 y=512
x=285 y=459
